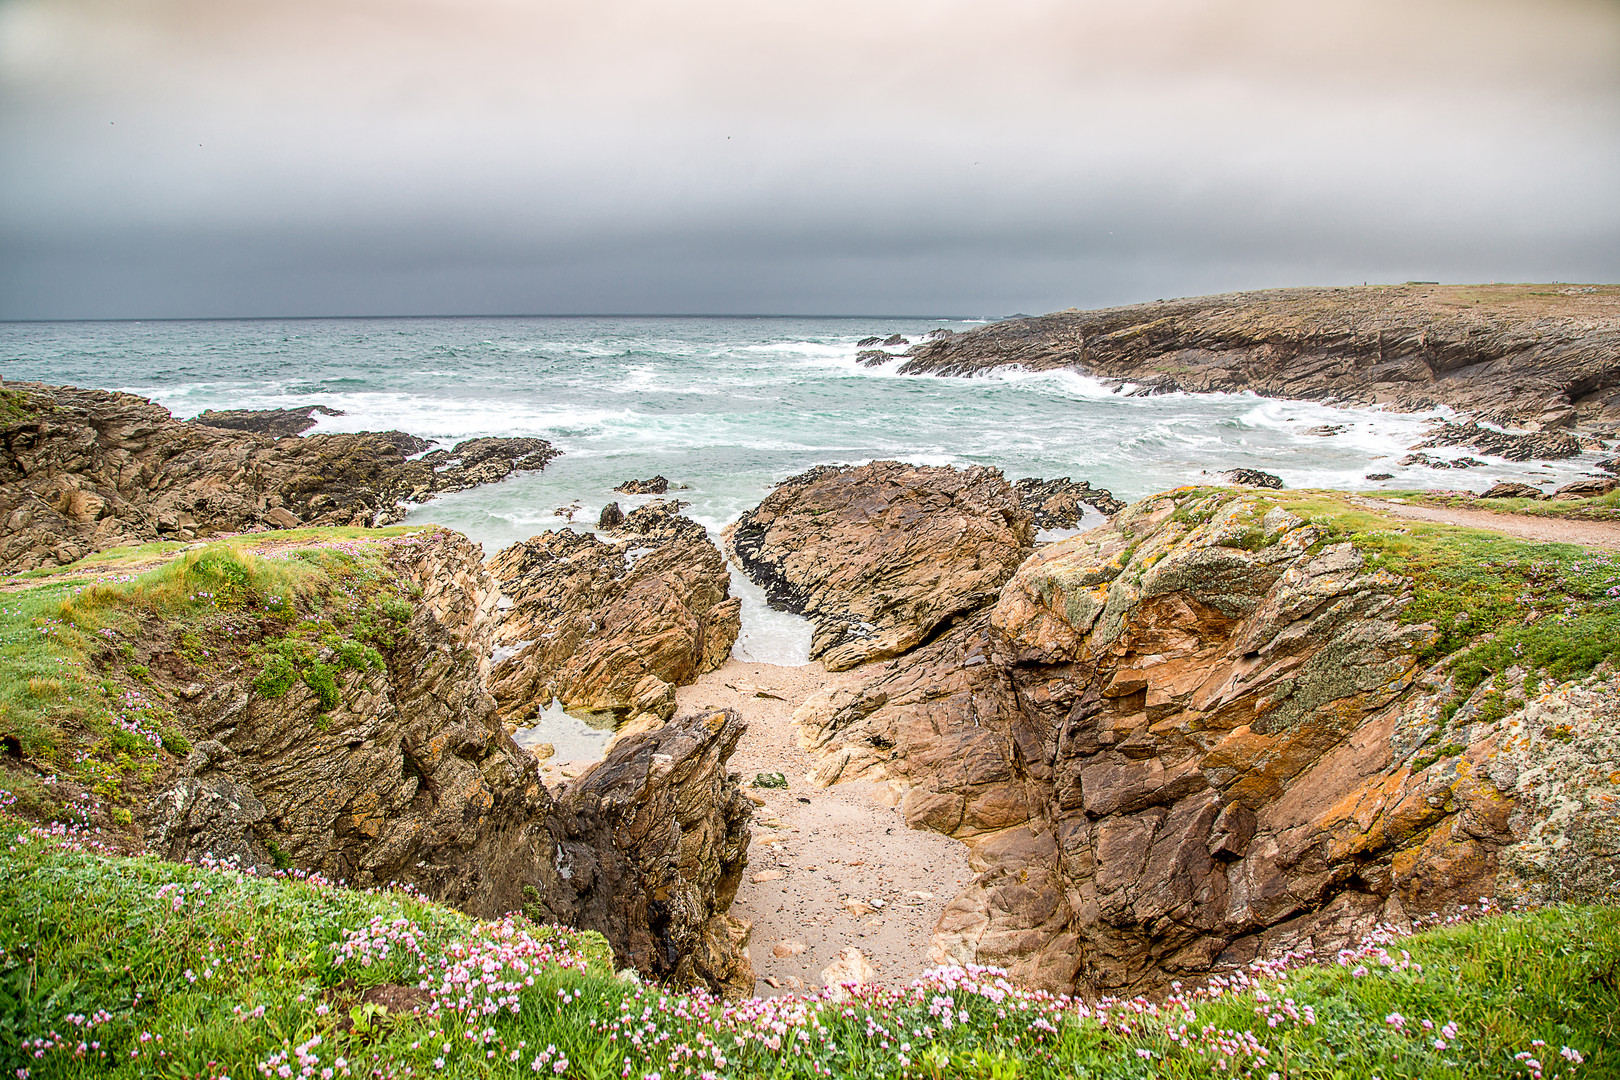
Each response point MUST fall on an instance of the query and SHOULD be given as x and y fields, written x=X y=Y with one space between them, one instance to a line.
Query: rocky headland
x=85 y=470
x=1543 y=356
x=1222 y=726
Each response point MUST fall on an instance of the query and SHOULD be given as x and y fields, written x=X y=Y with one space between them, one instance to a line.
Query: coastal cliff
x=315 y=701
x=1523 y=355
x=1228 y=724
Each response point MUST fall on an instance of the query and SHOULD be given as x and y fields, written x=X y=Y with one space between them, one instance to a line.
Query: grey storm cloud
x=228 y=157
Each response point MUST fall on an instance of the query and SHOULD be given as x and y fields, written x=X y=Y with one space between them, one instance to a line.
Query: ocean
x=722 y=407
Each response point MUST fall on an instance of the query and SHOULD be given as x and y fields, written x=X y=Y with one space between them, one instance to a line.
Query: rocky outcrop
x=84 y=470
x=881 y=556
x=652 y=844
x=277 y=422
x=612 y=625
x=1253 y=478
x=406 y=775
x=1061 y=503
x=1509 y=354
x=1202 y=733
x=1538 y=444
x=657 y=485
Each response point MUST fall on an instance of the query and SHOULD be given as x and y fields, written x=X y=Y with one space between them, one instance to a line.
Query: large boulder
x=652 y=844
x=612 y=624
x=881 y=556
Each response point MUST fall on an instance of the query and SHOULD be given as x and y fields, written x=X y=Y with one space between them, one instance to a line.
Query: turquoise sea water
x=724 y=406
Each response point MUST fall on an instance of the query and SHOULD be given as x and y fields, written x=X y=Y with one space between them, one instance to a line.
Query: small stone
x=787 y=947
x=850 y=969
x=770 y=780
x=766 y=875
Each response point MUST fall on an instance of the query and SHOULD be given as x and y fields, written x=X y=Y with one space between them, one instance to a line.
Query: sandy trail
x=829 y=845
x=1551 y=530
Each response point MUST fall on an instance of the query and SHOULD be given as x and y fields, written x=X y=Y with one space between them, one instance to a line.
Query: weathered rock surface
x=277 y=422
x=1510 y=489
x=612 y=625
x=83 y=470
x=1536 y=444
x=1061 y=503
x=1196 y=735
x=1253 y=478
x=655 y=486
x=1509 y=354
x=881 y=556
x=412 y=778
x=652 y=844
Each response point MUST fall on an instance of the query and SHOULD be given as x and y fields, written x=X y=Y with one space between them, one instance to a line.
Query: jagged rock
x=610 y=518
x=84 y=470
x=1181 y=740
x=1586 y=489
x=1253 y=478
x=867 y=342
x=411 y=778
x=651 y=847
x=1057 y=504
x=880 y=556
x=612 y=625
x=1379 y=476
x=873 y=357
x=1499 y=353
x=1325 y=430
x=1508 y=489
x=895 y=339
x=1539 y=444
x=935 y=335
x=1421 y=458
x=1611 y=465
x=277 y=422
x=486 y=461
x=656 y=486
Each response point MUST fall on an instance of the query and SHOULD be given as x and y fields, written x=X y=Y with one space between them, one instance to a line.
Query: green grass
x=184 y=971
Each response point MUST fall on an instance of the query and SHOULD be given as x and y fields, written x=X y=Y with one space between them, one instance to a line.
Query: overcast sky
x=315 y=157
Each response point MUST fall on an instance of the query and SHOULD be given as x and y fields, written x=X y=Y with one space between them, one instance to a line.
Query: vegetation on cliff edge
x=113 y=966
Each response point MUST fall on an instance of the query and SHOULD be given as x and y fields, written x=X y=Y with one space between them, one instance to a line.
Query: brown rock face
x=652 y=844
x=881 y=556
x=83 y=470
x=412 y=778
x=612 y=625
x=1192 y=736
x=1512 y=354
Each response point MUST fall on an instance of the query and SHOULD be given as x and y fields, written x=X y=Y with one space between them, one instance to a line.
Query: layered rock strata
x=408 y=776
x=1508 y=354
x=612 y=625
x=84 y=470
x=1199 y=734
x=879 y=557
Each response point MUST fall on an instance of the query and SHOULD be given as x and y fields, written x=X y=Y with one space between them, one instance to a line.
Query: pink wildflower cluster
x=377 y=940
x=1530 y=1060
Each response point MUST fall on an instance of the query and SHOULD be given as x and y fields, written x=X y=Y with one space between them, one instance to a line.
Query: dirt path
x=818 y=848
x=1552 y=530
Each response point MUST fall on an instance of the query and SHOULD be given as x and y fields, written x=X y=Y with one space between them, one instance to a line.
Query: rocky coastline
x=1542 y=357
x=1225 y=723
